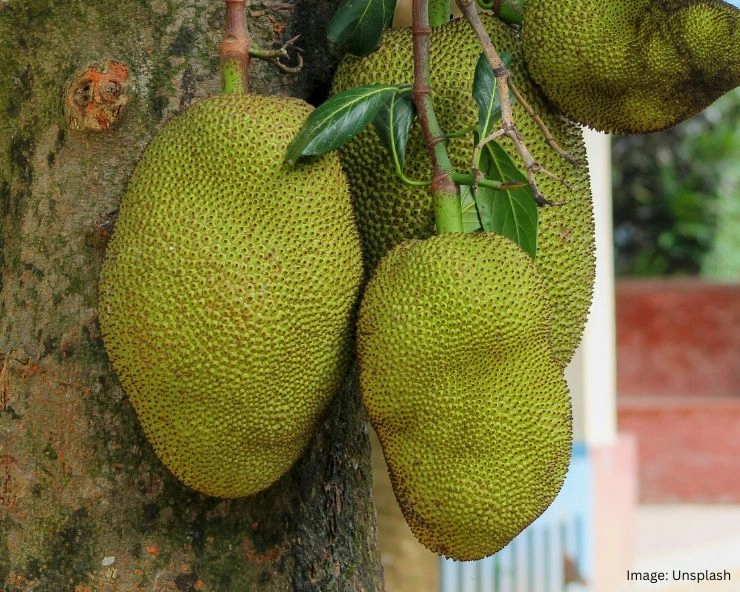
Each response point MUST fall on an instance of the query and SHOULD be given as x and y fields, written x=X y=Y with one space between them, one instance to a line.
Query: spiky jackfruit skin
x=229 y=290
x=390 y=212
x=632 y=66
x=461 y=385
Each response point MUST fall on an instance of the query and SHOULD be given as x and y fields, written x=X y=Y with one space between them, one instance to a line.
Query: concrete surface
x=690 y=538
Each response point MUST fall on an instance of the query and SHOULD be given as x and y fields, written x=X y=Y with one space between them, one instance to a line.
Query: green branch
x=469 y=179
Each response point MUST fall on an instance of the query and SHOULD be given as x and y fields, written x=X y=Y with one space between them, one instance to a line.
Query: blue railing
x=553 y=554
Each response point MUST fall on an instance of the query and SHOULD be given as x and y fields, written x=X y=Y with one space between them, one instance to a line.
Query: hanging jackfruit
x=228 y=292
x=632 y=66
x=459 y=379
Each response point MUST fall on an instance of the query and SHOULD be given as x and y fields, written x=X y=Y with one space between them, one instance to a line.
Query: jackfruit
x=390 y=212
x=461 y=385
x=228 y=293
x=632 y=66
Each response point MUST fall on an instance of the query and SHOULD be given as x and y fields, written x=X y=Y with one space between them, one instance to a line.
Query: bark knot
x=95 y=98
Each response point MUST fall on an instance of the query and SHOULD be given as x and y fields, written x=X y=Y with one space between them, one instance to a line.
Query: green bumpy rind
x=390 y=212
x=632 y=66
x=228 y=293
x=460 y=383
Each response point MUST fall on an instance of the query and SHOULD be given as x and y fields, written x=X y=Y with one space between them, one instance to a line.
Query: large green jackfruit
x=459 y=379
x=390 y=212
x=632 y=66
x=228 y=292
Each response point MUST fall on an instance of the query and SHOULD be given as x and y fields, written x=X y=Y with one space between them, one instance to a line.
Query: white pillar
x=592 y=373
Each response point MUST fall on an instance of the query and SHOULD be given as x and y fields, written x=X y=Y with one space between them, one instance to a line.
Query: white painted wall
x=592 y=373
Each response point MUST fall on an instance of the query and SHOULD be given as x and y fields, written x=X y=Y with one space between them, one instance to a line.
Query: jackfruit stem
x=445 y=196
x=235 y=48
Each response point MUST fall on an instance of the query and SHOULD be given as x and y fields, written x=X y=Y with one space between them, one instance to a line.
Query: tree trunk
x=84 y=503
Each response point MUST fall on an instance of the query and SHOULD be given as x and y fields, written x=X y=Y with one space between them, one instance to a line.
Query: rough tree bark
x=84 y=504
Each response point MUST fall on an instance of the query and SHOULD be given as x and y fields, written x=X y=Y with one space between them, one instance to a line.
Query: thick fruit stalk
x=235 y=48
x=445 y=194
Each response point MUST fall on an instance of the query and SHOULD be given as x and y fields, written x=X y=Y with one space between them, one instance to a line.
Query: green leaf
x=439 y=13
x=393 y=122
x=358 y=25
x=485 y=93
x=510 y=212
x=470 y=218
x=338 y=120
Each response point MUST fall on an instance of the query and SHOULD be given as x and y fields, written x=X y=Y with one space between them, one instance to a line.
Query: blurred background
x=654 y=484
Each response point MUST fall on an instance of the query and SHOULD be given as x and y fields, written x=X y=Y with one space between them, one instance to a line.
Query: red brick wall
x=688 y=450
x=678 y=382
x=678 y=338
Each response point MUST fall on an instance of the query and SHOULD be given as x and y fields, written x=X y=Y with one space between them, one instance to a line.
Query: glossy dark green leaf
x=393 y=122
x=510 y=212
x=358 y=25
x=486 y=95
x=338 y=120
